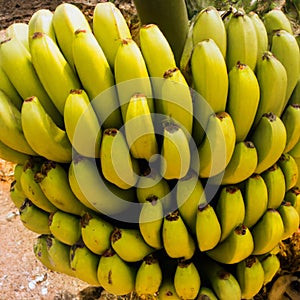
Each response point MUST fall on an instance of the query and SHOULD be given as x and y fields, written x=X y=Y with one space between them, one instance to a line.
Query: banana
x=40 y=250
x=177 y=241
x=110 y=28
x=84 y=263
x=208 y=24
x=187 y=280
x=41 y=21
x=53 y=70
x=117 y=164
x=241 y=41
x=189 y=195
x=293 y=196
x=235 y=248
x=23 y=75
x=43 y=135
x=167 y=290
x=271 y=266
x=242 y=163
x=81 y=123
x=269 y=138
x=129 y=244
x=285 y=47
x=12 y=134
x=16 y=195
x=148 y=277
x=290 y=219
x=31 y=188
x=139 y=128
x=12 y=155
x=53 y=180
x=242 y=81
x=295 y=151
x=208 y=228
x=267 y=232
x=275 y=182
x=290 y=171
x=272 y=78
x=150 y=222
x=131 y=75
x=255 y=195
x=20 y=32
x=295 y=95
x=175 y=152
x=206 y=293
x=250 y=276
x=67 y=18
x=34 y=218
x=65 y=227
x=230 y=209
x=217 y=148
x=95 y=233
x=115 y=275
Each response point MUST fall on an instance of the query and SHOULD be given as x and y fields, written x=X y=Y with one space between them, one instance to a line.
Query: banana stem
x=171 y=17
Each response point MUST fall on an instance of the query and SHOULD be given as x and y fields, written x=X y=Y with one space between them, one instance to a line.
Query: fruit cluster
x=175 y=182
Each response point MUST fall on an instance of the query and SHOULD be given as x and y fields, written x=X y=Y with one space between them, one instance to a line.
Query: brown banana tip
x=169 y=73
x=203 y=206
x=111 y=131
x=37 y=35
x=295 y=190
x=270 y=116
x=224 y=275
x=76 y=92
x=146 y=26
x=241 y=229
x=250 y=261
x=241 y=66
x=232 y=189
x=173 y=216
x=5 y=40
x=80 y=30
x=249 y=144
x=29 y=99
x=84 y=221
x=116 y=235
x=109 y=253
x=152 y=199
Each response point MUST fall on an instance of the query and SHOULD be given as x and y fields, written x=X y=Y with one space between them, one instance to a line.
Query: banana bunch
x=140 y=175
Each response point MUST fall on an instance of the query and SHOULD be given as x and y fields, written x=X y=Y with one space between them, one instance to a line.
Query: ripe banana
x=12 y=155
x=293 y=196
x=275 y=182
x=290 y=171
x=241 y=41
x=20 y=32
x=110 y=28
x=230 y=209
x=250 y=276
x=206 y=293
x=242 y=163
x=16 y=194
x=295 y=151
x=267 y=232
x=82 y=126
x=295 y=95
x=271 y=266
x=242 y=81
x=53 y=70
x=255 y=195
x=43 y=135
x=269 y=138
x=177 y=241
x=115 y=275
x=208 y=228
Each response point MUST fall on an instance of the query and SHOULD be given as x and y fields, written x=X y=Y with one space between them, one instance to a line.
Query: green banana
x=285 y=48
x=295 y=151
x=117 y=164
x=267 y=232
x=53 y=70
x=293 y=196
x=242 y=81
x=82 y=126
x=175 y=233
x=95 y=233
x=53 y=180
x=16 y=194
x=290 y=219
x=230 y=209
x=187 y=280
x=129 y=244
x=206 y=293
x=242 y=163
x=208 y=228
x=110 y=28
x=241 y=41
x=84 y=263
x=40 y=250
x=12 y=133
x=271 y=266
x=275 y=182
x=175 y=152
x=235 y=248
x=255 y=195
x=12 y=155
x=290 y=171
x=295 y=95
x=34 y=218
x=67 y=18
x=65 y=227
x=115 y=275
x=250 y=275
x=20 y=32
x=148 y=277
x=43 y=135
x=269 y=138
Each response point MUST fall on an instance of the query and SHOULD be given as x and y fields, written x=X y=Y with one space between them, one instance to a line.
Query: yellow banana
x=167 y=291
x=289 y=169
x=43 y=135
x=242 y=81
x=294 y=99
x=293 y=196
x=206 y=293
x=110 y=28
x=12 y=155
x=53 y=70
x=271 y=266
x=20 y=32
x=295 y=151
x=269 y=138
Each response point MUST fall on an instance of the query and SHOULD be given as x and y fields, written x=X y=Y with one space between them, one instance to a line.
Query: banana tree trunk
x=172 y=18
